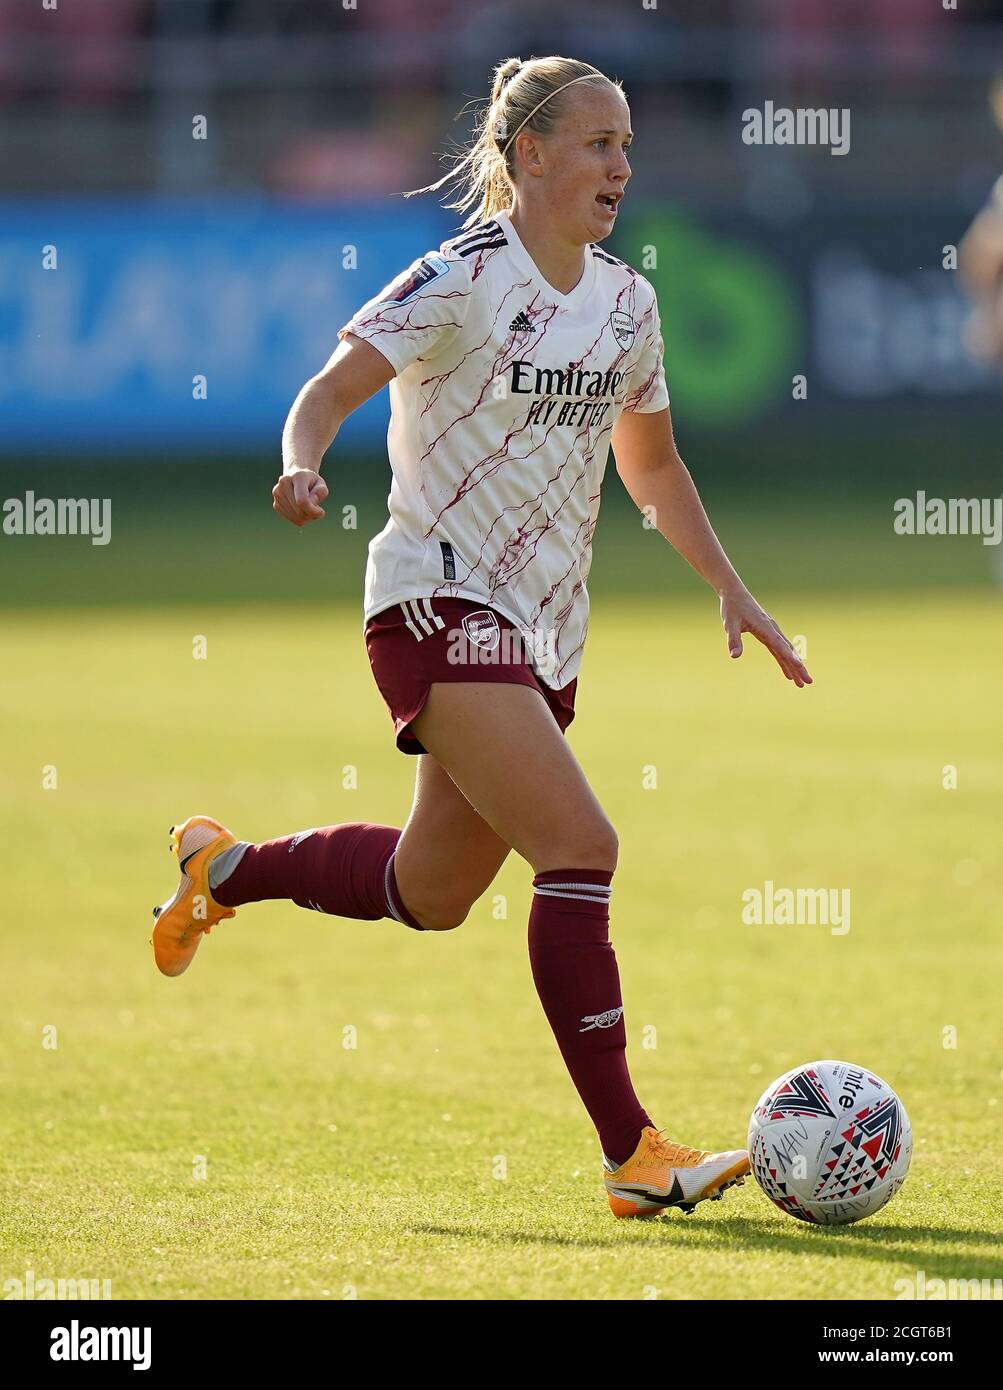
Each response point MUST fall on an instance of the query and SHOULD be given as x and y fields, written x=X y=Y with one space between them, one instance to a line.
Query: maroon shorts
x=422 y=640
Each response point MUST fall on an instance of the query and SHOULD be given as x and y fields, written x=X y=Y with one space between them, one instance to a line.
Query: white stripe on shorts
x=434 y=616
x=419 y=616
x=409 y=622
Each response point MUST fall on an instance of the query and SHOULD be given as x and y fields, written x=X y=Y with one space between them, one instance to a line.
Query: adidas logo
x=521 y=324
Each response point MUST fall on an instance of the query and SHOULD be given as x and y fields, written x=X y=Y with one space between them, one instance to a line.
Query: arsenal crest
x=623 y=328
x=482 y=629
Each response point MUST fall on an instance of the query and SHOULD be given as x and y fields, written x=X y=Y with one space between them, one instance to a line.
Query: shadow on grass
x=918 y=1245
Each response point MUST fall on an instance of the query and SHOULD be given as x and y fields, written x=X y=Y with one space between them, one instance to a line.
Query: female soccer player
x=515 y=354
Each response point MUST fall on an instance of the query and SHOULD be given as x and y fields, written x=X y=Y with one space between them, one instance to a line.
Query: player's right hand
x=297 y=496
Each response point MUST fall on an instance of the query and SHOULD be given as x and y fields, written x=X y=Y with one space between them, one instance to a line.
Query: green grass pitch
x=220 y=1136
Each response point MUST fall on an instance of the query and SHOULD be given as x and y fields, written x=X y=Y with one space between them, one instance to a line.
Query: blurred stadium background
x=225 y=255
x=232 y=257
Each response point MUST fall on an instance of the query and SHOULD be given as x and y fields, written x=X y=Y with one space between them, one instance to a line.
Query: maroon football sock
x=576 y=977
x=347 y=870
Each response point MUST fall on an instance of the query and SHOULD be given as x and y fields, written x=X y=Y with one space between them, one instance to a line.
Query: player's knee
x=603 y=848
x=438 y=913
x=590 y=844
x=443 y=921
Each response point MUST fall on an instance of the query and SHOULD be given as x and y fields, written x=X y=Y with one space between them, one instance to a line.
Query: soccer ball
x=829 y=1143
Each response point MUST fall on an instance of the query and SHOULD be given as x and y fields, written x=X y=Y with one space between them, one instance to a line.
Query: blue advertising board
x=102 y=349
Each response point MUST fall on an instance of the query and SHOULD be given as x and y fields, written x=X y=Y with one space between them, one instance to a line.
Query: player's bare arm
x=354 y=372
x=657 y=479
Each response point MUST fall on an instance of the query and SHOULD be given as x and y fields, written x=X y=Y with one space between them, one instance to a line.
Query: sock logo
x=607 y=1020
x=301 y=835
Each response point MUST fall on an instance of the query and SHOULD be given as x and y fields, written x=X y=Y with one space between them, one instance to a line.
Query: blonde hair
x=524 y=96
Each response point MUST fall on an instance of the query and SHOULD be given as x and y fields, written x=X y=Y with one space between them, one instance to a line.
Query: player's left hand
x=741 y=613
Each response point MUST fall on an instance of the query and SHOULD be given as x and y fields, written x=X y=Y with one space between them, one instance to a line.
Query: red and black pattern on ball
x=862 y=1153
x=773 y=1184
x=801 y=1094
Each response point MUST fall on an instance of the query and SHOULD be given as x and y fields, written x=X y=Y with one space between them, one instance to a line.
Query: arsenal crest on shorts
x=482 y=629
x=623 y=328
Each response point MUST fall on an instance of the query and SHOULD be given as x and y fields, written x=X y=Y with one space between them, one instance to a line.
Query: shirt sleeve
x=418 y=314
x=647 y=391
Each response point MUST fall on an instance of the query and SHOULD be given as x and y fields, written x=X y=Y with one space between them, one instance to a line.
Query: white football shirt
x=504 y=399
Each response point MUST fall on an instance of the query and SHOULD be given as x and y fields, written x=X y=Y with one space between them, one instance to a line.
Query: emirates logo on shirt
x=571 y=395
x=527 y=378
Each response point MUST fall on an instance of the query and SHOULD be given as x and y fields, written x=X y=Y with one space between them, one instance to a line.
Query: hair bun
x=504 y=74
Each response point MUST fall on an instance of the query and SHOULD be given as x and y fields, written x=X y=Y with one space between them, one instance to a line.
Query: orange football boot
x=661 y=1173
x=192 y=912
